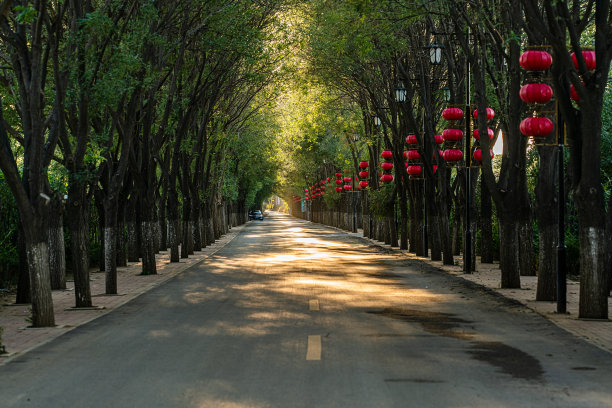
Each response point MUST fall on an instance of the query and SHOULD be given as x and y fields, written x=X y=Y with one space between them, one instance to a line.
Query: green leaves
x=25 y=14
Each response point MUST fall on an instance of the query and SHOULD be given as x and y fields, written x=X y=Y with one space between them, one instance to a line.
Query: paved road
x=291 y=314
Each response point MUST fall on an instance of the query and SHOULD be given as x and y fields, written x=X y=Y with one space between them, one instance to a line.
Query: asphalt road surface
x=293 y=314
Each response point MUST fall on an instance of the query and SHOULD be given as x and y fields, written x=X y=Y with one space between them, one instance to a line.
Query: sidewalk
x=597 y=332
x=17 y=338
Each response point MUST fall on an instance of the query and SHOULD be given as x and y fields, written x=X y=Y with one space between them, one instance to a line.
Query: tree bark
x=110 y=245
x=547 y=213
x=57 y=250
x=486 y=224
x=509 y=254
x=40 y=283
x=78 y=222
x=24 y=295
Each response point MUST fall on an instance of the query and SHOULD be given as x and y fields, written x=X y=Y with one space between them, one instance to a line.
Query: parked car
x=256 y=215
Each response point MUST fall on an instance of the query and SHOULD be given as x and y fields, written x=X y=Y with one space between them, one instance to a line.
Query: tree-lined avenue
x=295 y=314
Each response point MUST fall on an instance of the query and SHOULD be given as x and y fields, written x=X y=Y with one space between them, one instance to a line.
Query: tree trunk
x=547 y=213
x=24 y=295
x=132 y=231
x=121 y=250
x=78 y=222
x=110 y=245
x=57 y=250
x=509 y=253
x=173 y=225
x=40 y=283
x=486 y=224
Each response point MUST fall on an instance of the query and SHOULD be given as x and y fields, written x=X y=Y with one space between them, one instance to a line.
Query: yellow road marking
x=314 y=348
x=313 y=304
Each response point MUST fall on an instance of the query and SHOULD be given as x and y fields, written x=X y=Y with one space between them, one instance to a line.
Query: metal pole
x=425 y=246
x=425 y=243
x=561 y=272
x=467 y=253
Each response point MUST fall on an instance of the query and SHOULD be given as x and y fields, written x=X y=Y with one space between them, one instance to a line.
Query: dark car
x=256 y=215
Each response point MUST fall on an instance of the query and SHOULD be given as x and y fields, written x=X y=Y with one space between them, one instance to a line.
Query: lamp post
x=467 y=252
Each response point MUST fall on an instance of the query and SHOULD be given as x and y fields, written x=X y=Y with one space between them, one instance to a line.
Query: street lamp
x=400 y=94
x=435 y=54
x=377 y=121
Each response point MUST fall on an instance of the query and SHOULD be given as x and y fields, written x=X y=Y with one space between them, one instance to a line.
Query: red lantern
x=573 y=94
x=339 y=189
x=387 y=154
x=386 y=178
x=386 y=166
x=414 y=170
x=535 y=60
x=306 y=190
x=589 y=60
x=452 y=155
x=439 y=139
x=411 y=139
x=490 y=114
x=452 y=113
x=452 y=135
x=348 y=179
x=328 y=179
x=412 y=155
x=364 y=165
x=536 y=93
x=306 y=198
x=478 y=155
x=363 y=184
x=537 y=126
x=489 y=131
x=364 y=174
x=338 y=175
x=435 y=168
x=339 y=182
x=348 y=187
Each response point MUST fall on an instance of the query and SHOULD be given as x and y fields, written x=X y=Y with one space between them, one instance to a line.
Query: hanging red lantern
x=535 y=60
x=490 y=114
x=339 y=182
x=363 y=183
x=412 y=155
x=452 y=135
x=386 y=166
x=589 y=59
x=452 y=155
x=414 y=170
x=364 y=164
x=439 y=139
x=364 y=174
x=536 y=93
x=387 y=154
x=411 y=139
x=338 y=175
x=452 y=114
x=386 y=178
x=573 y=94
x=435 y=168
x=306 y=198
x=339 y=189
x=489 y=131
x=537 y=126
x=478 y=155
x=348 y=187
x=306 y=190
x=348 y=179
x=329 y=178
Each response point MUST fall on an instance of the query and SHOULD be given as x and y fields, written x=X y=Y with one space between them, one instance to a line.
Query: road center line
x=314 y=348
x=313 y=304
